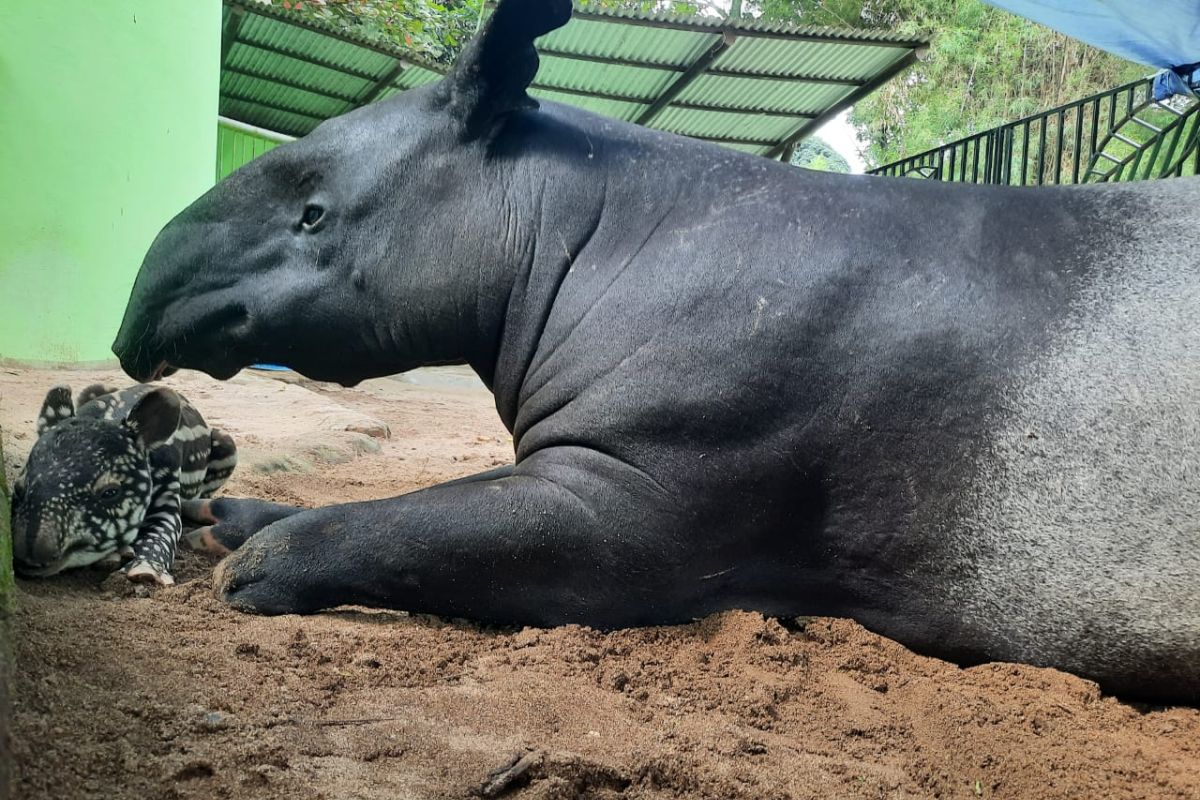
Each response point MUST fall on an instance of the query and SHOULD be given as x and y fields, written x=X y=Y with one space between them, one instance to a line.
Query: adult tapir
x=968 y=417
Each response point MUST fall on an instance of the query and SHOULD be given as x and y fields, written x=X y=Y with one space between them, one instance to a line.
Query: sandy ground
x=172 y=695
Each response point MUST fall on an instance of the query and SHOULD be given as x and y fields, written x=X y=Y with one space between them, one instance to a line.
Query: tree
x=815 y=153
x=434 y=30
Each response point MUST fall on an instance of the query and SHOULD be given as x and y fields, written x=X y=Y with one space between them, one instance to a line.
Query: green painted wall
x=106 y=115
x=236 y=147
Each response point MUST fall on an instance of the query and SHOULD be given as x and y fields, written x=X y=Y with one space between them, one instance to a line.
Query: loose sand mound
x=173 y=695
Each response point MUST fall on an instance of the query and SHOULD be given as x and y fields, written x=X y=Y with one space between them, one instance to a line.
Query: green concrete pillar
x=6 y=606
x=107 y=115
x=6 y=573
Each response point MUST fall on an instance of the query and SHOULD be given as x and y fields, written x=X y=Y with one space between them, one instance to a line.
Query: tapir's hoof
x=202 y=541
x=144 y=572
x=267 y=576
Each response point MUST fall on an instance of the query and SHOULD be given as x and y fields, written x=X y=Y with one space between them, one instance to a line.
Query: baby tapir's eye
x=109 y=492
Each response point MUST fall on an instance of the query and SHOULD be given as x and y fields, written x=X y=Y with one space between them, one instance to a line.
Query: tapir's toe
x=203 y=540
x=256 y=579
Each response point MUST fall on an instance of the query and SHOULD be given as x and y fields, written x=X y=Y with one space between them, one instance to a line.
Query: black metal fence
x=1118 y=135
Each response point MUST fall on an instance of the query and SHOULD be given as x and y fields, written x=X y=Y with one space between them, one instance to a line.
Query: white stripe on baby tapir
x=192 y=476
x=190 y=434
x=224 y=463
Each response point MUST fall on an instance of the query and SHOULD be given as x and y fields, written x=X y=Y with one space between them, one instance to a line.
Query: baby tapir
x=105 y=480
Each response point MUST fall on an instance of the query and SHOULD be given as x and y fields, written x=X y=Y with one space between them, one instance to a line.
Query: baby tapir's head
x=87 y=484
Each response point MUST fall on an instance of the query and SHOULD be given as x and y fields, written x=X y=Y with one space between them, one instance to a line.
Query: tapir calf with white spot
x=106 y=479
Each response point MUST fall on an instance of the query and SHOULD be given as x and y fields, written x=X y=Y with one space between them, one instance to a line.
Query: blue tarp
x=1159 y=33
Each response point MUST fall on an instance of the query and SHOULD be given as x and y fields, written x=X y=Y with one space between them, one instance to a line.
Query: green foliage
x=438 y=31
x=815 y=153
x=686 y=7
x=434 y=30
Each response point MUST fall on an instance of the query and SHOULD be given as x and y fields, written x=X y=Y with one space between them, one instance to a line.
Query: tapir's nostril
x=38 y=550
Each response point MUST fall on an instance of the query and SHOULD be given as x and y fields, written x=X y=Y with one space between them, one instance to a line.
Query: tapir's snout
x=137 y=360
x=179 y=305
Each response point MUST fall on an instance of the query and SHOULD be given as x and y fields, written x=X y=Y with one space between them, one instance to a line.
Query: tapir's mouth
x=215 y=353
x=36 y=570
x=163 y=370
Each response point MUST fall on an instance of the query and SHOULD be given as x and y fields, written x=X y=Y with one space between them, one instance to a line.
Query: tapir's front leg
x=567 y=536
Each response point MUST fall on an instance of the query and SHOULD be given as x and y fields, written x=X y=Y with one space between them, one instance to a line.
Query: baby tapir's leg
x=227 y=523
x=158 y=535
x=222 y=458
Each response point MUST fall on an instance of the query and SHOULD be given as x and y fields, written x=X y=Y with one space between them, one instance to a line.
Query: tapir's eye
x=109 y=493
x=312 y=215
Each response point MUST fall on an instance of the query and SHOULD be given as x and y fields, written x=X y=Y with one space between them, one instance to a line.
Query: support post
x=694 y=71
x=7 y=601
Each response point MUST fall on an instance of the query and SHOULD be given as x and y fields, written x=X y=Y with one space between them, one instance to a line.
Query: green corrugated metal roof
x=745 y=84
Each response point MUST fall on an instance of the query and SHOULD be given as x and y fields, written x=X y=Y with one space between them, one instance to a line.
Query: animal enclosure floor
x=170 y=694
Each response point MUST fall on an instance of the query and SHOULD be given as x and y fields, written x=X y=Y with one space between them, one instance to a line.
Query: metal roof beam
x=734 y=140
x=623 y=98
x=383 y=83
x=262 y=76
x=286 y=109
x=679 y=84
x=749 y=111
x=850 y=99
x=733 y=73
x=742 y=30
x=307 y=59
x=229 y=30
x=641 y=101
x=723 y=73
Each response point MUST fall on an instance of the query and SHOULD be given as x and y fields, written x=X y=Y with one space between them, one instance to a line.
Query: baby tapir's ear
x=155 y=416
x=55 y=408
x=490 y=77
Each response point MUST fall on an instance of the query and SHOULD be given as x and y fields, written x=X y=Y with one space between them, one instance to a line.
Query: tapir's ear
x=155 y=416
x=490 y=77
x=55 y=408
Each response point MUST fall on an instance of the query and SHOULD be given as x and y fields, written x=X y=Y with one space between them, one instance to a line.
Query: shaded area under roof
x=755 y=87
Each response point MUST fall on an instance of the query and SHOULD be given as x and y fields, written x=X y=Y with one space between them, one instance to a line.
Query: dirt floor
x=169 y=694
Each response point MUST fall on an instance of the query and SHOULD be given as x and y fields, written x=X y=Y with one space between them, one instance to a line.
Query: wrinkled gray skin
x=968 y=417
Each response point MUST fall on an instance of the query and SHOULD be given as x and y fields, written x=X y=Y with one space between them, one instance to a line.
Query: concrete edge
x=7 y=664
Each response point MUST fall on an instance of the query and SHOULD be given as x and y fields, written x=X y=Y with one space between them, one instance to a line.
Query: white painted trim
x=254 y=130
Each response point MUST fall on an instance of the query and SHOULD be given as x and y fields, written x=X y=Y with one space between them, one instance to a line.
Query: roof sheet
x=749 y=85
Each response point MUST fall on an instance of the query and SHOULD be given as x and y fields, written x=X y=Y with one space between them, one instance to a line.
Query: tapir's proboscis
x=966 y=416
